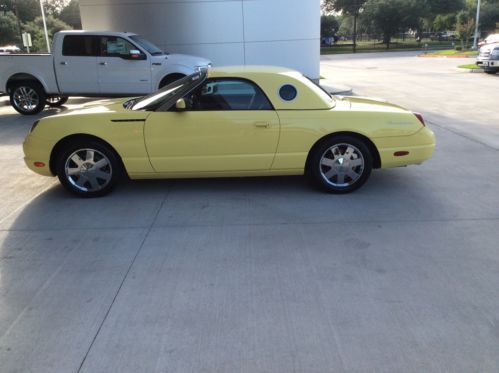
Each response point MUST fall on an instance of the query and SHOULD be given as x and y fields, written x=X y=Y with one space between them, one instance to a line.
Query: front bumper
x=37 y=152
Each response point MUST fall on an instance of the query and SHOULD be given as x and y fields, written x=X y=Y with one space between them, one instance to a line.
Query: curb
x=453 y=56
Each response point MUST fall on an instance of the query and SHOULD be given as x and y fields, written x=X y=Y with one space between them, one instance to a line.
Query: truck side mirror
x=135 y=54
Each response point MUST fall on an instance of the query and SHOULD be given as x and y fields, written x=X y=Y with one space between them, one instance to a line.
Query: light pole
x=45 y=26
x=477 y=20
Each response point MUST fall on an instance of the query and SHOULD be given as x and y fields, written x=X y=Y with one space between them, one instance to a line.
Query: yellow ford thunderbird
x=229 y=122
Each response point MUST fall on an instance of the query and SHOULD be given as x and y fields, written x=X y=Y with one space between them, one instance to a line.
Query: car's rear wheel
x=88 y=169
x=56 y=101
x=340 y=164
x=27 y=98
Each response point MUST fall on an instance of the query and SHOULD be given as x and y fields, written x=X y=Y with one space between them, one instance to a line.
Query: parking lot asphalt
x=266 y=274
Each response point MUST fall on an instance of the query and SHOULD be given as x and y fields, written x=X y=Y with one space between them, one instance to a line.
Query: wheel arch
x=23 y=77
x=371 y=146
x=170 y=78
x=59 y=146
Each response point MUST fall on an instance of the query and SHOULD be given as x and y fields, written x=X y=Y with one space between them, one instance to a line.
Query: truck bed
x=41 y=66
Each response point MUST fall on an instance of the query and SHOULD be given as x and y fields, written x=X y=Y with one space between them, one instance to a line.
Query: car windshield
x=177 y=88
x=147 y=45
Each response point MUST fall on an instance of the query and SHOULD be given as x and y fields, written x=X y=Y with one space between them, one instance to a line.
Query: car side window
x=114 y=46
x=80 y=45
x=228 y=94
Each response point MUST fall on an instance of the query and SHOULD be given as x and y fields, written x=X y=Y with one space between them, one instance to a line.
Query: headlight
x=34 y=126
x=495 y=52
x=202 y=68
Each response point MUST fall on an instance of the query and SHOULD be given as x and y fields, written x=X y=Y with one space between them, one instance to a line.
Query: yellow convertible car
x=233 y=121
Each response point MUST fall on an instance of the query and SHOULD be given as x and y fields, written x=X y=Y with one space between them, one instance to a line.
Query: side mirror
x=135 y=54
x=181 y=105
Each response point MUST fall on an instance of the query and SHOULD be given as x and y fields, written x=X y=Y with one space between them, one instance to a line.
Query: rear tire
x=27 y=98
x=340 y=164
x=57 y=101
x=88 y=168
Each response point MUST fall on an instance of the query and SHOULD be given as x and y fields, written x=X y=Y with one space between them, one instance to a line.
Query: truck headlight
x=202 y=68
x=495 y=53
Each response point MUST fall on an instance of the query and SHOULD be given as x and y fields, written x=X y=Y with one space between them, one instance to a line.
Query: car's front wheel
x=491 y=71
x=88 y=169
x=340 y=164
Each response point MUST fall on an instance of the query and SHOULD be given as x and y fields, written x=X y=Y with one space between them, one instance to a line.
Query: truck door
x=76 y=65
x=121 y=72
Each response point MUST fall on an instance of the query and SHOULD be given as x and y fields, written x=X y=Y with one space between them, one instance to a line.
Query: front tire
x=88 y=168
x=340 y=164
x=491 y=71
x=27 y=98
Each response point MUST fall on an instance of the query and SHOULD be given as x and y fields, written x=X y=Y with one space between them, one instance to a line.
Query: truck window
x=79 y=45
x=113 y=46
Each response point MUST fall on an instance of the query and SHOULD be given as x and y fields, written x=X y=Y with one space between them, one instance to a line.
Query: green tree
x=444 y=22
x=329 y=26
x=389 y=17
x=9 y=33
x=465 y=26
x=489 y=16
x=35 y=28
x=350 y=7
x=70 y=14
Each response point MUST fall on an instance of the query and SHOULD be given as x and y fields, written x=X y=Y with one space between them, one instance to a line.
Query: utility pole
x=477 y=21
x=45 y=26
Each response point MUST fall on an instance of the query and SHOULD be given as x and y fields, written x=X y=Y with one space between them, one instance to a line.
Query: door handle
x=103 y=63
x=64 y=63
x=262 y=124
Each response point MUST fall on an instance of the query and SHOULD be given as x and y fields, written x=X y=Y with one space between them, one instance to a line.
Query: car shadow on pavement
x=389 y=196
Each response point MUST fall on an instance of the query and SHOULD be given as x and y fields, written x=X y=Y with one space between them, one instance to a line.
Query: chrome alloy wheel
x=342 y=165
x=26 y=98
x=88 y=170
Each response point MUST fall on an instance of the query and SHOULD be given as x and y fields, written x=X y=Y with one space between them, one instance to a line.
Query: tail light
x=420 y=118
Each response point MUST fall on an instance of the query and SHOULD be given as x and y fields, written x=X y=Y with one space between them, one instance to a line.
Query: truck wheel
x=27 y=98
x=56 y=101
x=491 y=71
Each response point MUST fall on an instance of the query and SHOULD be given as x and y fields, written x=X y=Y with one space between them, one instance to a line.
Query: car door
x=118 y=72
x=229 y=125
x=76 y=65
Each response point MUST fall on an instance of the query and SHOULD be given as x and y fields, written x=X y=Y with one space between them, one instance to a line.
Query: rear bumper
x=420 y=147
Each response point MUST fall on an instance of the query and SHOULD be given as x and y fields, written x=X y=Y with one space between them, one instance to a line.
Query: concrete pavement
x=261 y=274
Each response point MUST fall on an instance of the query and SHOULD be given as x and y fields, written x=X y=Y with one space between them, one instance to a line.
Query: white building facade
x=228 y=32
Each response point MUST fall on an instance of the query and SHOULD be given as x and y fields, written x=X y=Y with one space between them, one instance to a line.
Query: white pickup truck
x=91 y=63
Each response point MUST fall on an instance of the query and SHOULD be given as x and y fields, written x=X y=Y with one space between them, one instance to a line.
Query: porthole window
x=288 y=92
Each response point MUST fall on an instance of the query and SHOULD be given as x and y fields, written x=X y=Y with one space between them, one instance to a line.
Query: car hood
x=489 y=47
x=186 y=60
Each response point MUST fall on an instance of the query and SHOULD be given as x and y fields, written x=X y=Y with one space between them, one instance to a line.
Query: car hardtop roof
x=96 y=32
x=247 y=70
